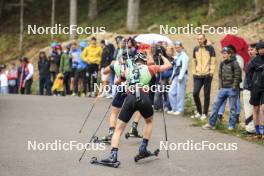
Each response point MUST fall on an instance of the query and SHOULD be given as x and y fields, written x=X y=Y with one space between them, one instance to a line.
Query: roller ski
x=103 y=163
x=109 y=162
x=146 y=154
x=106 y=140
x=133 y=132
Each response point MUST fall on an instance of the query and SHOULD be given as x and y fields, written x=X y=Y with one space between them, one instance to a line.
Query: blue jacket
x=181 y=62
x=77 y=61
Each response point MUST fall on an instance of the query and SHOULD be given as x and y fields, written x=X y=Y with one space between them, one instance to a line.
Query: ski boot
x=133 y=132
x=105 y=139
x=144 y=153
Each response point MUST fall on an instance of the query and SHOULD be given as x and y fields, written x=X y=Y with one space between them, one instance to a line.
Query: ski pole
x=84 y=151
x=165 y=125
x=88 y=115
x=163 y=114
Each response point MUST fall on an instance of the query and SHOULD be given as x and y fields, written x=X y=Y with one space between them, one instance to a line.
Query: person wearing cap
x=255 y=70
x=203 y=68
x=240 y=61
x=79 y=67
x=178 y=80
x=92 y=55
x=230 y=75
x=54 y=60
x=65 y=68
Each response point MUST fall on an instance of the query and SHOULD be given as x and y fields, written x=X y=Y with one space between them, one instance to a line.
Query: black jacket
x=255 y=73
x=43 y=67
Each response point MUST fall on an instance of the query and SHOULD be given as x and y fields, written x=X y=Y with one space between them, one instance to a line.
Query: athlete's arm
x=166 y=66
x=150 y=60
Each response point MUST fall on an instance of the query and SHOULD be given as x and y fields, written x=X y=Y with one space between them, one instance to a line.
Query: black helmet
x=141 y=56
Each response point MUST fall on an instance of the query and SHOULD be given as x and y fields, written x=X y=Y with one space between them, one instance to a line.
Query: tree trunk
x=93 y=11
x=21 y=26
x=132 y=15
x=53 y=15
x=73 y=19
x=2 y=6
x=258 y=7
x=211 y=9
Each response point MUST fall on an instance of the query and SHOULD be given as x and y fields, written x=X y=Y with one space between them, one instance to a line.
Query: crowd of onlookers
x=75 y=69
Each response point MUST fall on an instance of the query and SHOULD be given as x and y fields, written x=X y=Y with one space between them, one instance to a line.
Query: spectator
x=12 y=78
x=203 y=67
x=255 y=68
x=179 y=80
x=58 y=86
x=106 y=61
x=29 y=71
x=240 y=61
x=20 y=76
x=65 y=68
x=248 y=108
x=80 y=67
x=3 y=81
x=92 y=56
x=229 y=79
x=165 y=78
x=117 y=56
x=44 y=74
x=54 y=60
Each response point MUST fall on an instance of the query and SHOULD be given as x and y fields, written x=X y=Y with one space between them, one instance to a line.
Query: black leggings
x=199 y=82
x=131 y=105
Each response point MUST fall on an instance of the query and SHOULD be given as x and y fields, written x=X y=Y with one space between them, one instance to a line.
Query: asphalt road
x=46 y=119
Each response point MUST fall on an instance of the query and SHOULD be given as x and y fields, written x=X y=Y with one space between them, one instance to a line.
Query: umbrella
x=152 y=38
x=240 y=44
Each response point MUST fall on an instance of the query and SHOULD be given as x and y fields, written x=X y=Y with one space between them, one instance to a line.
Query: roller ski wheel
x=101 y=163
x=97 y=140
x=150 y=154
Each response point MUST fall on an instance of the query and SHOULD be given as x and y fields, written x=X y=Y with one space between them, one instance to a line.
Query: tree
x=93 y=11
x=21 y=26
x=132 y=15
x=211 y=9
x=2 y=6
x=258 y=7
x=53 y=15
x=73 y=19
